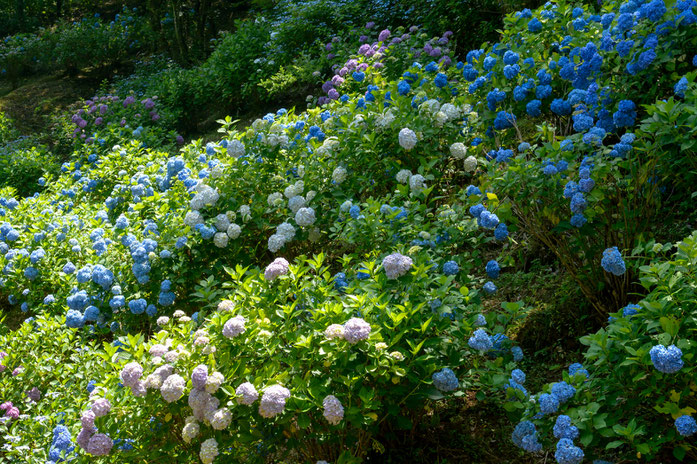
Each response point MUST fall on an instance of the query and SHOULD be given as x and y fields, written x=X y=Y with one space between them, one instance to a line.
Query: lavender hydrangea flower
x=356 y=329
x=173 y=388
x=273 y=401
x=131 y=373
x=199 y=376
x=333 y=410
x=234 y=327
x=99 y=445
x=246 y=394
x=277 y=268
x=396 y=265
x=101 y=407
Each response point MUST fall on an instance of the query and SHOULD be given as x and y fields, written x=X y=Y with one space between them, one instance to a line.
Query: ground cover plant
x=319 y=283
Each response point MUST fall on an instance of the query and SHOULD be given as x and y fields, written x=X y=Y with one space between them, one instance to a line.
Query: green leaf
x=614 y=444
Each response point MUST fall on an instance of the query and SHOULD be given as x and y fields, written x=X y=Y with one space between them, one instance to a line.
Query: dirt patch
x=31 y=105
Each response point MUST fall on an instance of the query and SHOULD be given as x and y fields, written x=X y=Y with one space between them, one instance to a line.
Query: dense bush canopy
x=311 y=285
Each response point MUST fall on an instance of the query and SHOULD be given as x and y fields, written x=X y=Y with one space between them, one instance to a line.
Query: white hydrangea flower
x=431 y=106
x=190 y=430
x=458 y=150
x=226 y=305
x=222 y=222
x=334 y=331
x=470 y=164
x=173 y=388
x=217 y=171
x=192 y=218
x=305 y=217
x=245 y=210
x=220 y=239
x=310 y=195
x=417 y=182
x=274 y=199
x=235 y=148
x=214 y=381
x=403 y=176
x=276 y=242
x=221 y=419
x=345 y=206
x=295 y=203
x=339 y=175
x=407 y=138
x=440 y=119
x=301 y=170
x=385 y=120
x=286 y=231
x=209 y=450
x=233 y=231
x=452 y=111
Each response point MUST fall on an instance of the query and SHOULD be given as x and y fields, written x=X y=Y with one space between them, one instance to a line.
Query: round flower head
x=407 y=138
x=612 y=261
x=568 y=453
x=305 y=217
x=480 y=341
x=214 y=381
x=226 y=306
x=234 y=327
x=339 y=175
x=518 y=376
x=87 y=420
x=173 y=388
x=686 y=425
x=190 y=430
x=396 y=265
x=417 y=183
x=564 y=429
x=277 y=268
x=209 y=451
x=158 y=349
x=470 y=164
x=333 y=410
x=334 y=331
x=246 y=394
x=199 y=376
x=220 y=239
x=458 y=150
x=221 y=418
x=101 y=407
x=131 y=373
x=356 y=329
x=667 y=360
x=445 y=380
x=99 y=445
x=403 y=176
x=273 y=401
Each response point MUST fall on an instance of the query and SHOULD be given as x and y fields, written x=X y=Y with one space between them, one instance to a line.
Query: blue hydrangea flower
x=549 y=404
x=563 y=391
x=686 y=425
x=501 y=232
x=480 y=341
x=489 y=287
x=564 y=429
x=445 y=380
x=667 y=360
x=630 y=310
x=680 y=88
x=612 y=262
x=534 y=25
x=493 y=269
x=568 y=453
x=518 y=376
x=450 y=268
x=577 y=368
x=517 y=353
x=525 y=436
